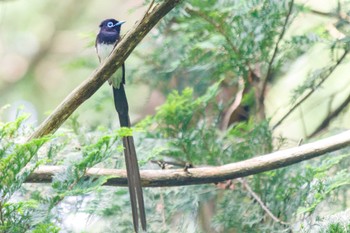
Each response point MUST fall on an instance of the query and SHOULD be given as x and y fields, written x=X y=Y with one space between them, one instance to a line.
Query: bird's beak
x=119 y=23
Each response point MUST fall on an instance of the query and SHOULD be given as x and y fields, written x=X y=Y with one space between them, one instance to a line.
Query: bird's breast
x=104 y=50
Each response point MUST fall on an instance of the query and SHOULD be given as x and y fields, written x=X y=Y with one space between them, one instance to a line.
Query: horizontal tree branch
x=86 y=89
x=203 y=175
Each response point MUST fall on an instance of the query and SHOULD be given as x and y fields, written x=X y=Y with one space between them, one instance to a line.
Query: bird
x=106 y=40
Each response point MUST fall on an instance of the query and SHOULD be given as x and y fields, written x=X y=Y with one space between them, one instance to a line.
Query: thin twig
x=150 y=7
x=234 y=105
x=331 y=70
x=219 y=29
x=162 y=203
x=330 y=117
x=274 y=54
x=163 y=210
x=339 y=14
x=302 y=119
x=148 y=11
x=261 y=203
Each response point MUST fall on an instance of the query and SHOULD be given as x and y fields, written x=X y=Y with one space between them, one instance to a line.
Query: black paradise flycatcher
x=106 y=40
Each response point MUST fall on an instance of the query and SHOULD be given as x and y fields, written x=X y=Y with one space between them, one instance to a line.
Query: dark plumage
x=106 y=40
x=109 y=35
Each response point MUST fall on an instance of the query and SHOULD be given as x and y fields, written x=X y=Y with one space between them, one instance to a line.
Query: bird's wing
x=118 y=77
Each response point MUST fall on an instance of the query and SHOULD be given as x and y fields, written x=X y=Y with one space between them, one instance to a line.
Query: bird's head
x=111 y=25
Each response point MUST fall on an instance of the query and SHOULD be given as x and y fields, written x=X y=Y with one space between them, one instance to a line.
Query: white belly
x=104 y=50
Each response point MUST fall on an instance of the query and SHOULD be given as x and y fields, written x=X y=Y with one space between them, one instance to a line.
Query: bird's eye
x=110 y=24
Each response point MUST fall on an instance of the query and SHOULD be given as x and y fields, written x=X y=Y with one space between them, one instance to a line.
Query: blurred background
x=47 y=49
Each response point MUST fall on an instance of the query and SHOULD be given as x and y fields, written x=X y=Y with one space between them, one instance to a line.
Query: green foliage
x=250 y=139
x=193 y=136
x=324 y=183
x=16 y=217
x=209 y=40
x=316 y=78
x=71 y=181
x=45 y=227
x=201 y=52
x=337 y=228
x=219 y=39
x=24 y=215
x=15 y=167
x=241 y=141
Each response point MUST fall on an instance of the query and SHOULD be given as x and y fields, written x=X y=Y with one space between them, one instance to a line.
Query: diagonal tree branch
x=261 y=203
x=202 y=175
x=86 y=89
x=235 y=104
x=325 y=123
x=274 y=54
x=327 y=75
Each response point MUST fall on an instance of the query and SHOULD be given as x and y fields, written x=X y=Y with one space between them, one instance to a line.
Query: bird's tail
x=132 y=168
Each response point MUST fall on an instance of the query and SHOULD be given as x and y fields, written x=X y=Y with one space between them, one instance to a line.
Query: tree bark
x=86 y=89
x=205 y=175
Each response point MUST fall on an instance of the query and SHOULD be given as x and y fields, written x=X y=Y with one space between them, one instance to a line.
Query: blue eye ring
x=110 y=24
